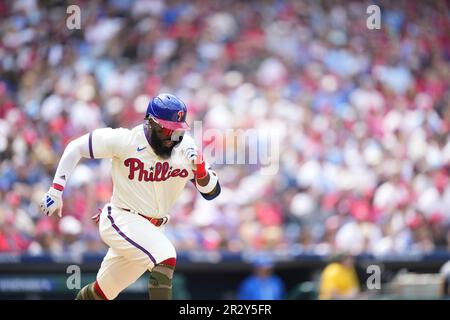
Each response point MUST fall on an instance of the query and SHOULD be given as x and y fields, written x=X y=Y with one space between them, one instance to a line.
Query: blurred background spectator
x=339 y=279
x=363 y=116
x=445 y=278
x=263 y=284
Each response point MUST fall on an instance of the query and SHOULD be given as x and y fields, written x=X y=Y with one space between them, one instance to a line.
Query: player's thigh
x=135 y=238
x=117 y=273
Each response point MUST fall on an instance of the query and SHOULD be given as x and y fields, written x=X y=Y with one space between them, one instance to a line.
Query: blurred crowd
x=363 y=118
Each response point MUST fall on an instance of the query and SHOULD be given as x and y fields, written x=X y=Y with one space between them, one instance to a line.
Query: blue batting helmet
x=169 y=111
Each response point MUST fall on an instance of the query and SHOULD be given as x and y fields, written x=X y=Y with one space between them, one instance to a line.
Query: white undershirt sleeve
x=74 y=151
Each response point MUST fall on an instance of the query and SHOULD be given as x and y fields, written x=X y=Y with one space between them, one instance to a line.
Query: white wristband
x=211 y=184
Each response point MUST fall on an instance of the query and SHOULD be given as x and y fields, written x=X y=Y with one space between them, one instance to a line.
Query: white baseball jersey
x=143 y=182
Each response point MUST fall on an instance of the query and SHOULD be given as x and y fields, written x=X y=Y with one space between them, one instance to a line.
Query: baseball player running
x=151 y=165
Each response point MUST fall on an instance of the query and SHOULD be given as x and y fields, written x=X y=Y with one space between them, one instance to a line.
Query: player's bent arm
x=208 y=185
x=205 y=179
x=98 y=144
x=209 y=195
x=52 y=200
x=213 y=194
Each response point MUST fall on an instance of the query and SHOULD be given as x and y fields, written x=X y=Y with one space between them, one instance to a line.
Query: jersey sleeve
x=106 y=143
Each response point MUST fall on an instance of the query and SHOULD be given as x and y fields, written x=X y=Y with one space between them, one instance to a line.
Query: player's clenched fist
x=52 y=202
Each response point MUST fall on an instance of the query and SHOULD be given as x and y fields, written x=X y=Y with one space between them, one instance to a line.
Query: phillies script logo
x=161 y=171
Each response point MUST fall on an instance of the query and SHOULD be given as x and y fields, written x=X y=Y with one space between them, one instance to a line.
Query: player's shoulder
x=116 y=134
x=137 y=131
x=113 y=131
x=129 y=133
x=133 y=136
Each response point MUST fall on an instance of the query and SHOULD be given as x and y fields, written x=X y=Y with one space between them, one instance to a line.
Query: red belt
x=155 y=221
